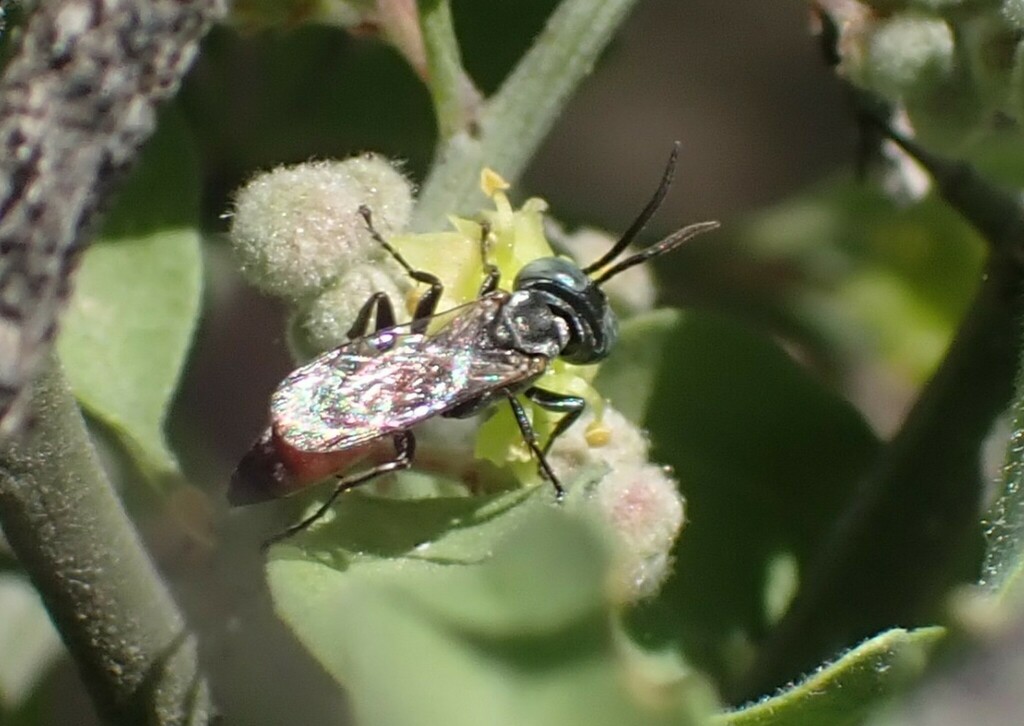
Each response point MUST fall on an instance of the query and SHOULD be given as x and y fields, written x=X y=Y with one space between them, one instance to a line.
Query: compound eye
x=552 y=271
x=594 y=337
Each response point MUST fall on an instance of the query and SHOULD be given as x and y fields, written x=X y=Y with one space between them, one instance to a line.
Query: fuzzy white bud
x=296 y=228
x=1013 y=11
x=326 y=322
x=642 y=505
x=909 y=55
x=622 y=442
x=638 y=501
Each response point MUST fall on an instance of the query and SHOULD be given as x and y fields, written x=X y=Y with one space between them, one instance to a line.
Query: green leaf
x=137 y=299
x=766 y=456
x=981 y=687
x=867 y=290
x=883 y=282
x=485 y=610
x=846 y=691
x=28 y=641
x=628 y=377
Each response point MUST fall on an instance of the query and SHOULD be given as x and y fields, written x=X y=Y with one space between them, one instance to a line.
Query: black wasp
x=357 y=403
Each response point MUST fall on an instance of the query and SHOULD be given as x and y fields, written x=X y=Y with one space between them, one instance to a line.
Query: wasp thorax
x=576 y=300
x=527 y=324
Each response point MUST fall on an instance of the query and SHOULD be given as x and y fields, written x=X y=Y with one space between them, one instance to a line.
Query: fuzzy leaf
x=766 y=458
x=627 y=378
x=1003 y=566
x=28 y=641
x=486 y=610
x=845 y=692
x=137 y=299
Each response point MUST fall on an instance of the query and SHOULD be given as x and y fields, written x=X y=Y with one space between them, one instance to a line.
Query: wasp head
x=577 y=301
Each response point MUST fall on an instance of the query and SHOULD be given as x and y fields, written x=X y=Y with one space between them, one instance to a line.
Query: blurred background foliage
x=810 y=322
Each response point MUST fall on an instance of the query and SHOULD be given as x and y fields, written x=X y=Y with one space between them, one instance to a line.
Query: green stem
x=905 y=539
x=517 y=118
x=1002 y=571
x=901 y=545
x=66 y=526
x=8 y=563
x=454 y=96
x=997 y=214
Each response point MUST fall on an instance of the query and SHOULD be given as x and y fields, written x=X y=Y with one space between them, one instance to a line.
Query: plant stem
x=515 y=121
x=66 y=526
x=455 y=98
x=1003 y=567
x=77 y=101
x=904 y=540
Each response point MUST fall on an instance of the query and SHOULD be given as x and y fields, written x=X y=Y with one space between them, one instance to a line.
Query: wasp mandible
x=357 y=404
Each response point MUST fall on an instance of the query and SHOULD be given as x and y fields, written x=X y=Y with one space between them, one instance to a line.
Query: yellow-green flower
x=516 y=237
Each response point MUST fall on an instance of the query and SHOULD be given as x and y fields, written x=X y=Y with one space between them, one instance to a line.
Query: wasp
x=357 y=404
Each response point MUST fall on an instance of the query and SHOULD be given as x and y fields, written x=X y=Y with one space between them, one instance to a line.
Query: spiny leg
x=427 y=305
x=405 y=448
x=571 y=406
x=530 y=437
x=385 y=316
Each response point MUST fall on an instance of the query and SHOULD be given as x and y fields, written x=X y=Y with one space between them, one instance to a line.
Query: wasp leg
x=571 y=406
x=492 y=275
x=427 y=305
x=530 y=437
x=385 y=316
x=405 y=448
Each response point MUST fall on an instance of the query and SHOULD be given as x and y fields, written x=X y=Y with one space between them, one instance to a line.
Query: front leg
x=530 y=437
x=571 y=406
x=427 y=305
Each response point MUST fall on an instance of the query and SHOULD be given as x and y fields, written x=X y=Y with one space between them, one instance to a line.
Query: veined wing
x=392 y=380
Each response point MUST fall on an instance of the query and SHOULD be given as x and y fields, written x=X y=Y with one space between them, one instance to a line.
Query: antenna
x=645 y=215
x=668 y=244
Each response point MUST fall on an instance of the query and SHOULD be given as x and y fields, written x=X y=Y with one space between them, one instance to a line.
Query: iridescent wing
x=393 y=379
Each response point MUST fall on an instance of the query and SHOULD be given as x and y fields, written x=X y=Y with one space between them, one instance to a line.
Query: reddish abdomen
x=272 y=469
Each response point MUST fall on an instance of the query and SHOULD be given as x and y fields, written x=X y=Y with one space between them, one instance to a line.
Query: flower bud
x=907 y=55
x=294 y=229
x=621 y=442
x=324 y=324
x=260 y=14
x=1013 y=11
x=638 y=501
x=940 y=6
x=643 y=507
